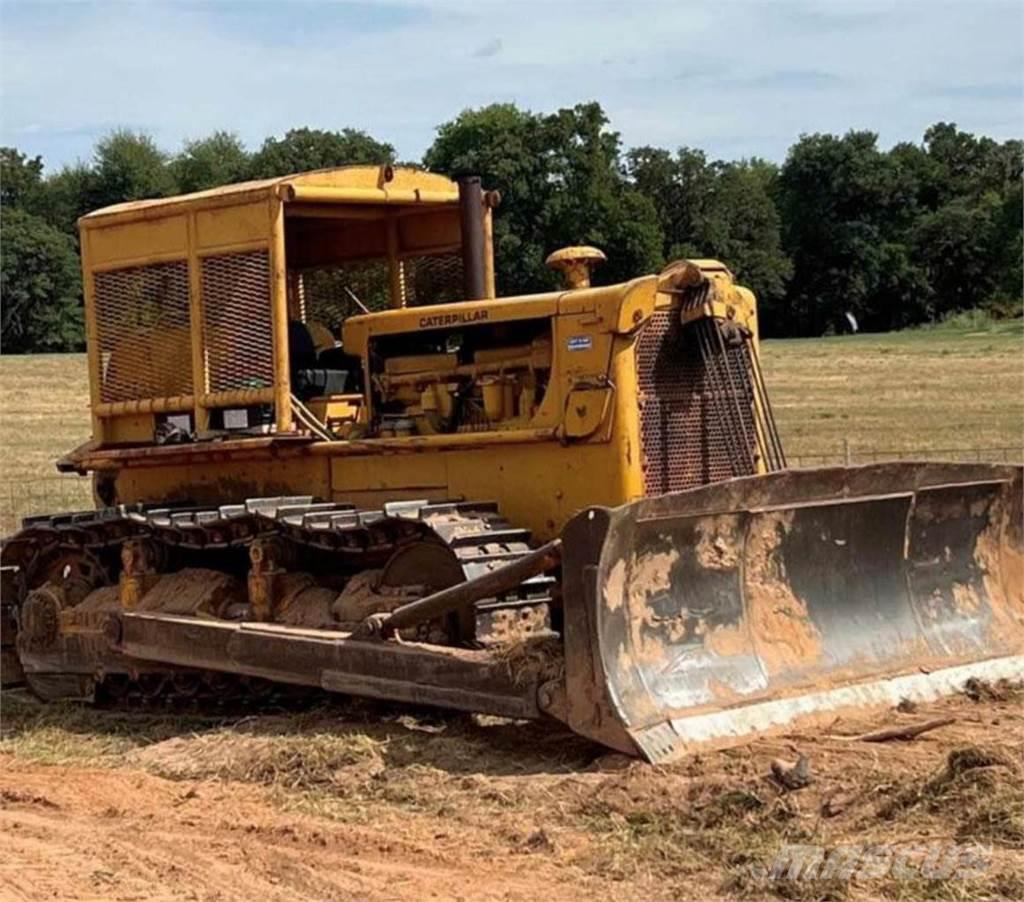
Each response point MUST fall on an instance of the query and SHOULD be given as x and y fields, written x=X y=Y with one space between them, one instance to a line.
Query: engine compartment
x=481 y=378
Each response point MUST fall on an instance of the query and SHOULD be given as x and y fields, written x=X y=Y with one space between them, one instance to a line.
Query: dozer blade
x=708 y=614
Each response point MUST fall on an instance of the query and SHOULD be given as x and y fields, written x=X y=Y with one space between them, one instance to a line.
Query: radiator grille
x=685 y=443
x=237 y=321
x=142 y=322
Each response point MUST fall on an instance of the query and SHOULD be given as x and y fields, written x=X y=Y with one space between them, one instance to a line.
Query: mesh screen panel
x=435 y=279
x=142 y=321
x=237 y=321
x=327 y=301
x=683 y=437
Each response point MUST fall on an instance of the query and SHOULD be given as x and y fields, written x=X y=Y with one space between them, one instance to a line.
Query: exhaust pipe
x=471 y=222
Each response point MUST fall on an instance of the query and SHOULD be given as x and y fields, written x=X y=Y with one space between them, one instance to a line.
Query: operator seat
x=331 y=372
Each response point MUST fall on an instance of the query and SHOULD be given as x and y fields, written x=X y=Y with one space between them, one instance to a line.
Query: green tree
x=304 y=149
x=958 y=247
x=500 y=143
x=593 y=202
x=681 y=187
x=969 y=165
x=842 y=205
x=127 y=166
x=20 y=178
x=40 y=283
x=66 y=195
x=966 y=233
x=1009 y=239
x=218 y=159
x=562 y=182
x=920 y=181
x=742 y=229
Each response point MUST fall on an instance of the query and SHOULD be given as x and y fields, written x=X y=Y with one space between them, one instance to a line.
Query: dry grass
x=936 y=389
x=44 y=411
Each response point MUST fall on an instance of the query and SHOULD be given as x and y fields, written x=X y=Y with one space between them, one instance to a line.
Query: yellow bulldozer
x=325 y=454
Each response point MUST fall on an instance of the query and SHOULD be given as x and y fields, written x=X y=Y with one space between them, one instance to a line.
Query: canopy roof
x=343 y=184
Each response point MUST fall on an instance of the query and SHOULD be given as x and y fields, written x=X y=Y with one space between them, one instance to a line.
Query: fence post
x=846 y=451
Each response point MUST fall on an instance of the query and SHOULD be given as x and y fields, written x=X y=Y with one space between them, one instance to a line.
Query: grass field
x=922 y=391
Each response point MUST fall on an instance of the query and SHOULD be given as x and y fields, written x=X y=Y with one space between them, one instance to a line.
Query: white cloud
x=736 y=78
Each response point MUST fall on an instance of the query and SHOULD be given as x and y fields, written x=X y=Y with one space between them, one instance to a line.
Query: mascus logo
x=452 y=319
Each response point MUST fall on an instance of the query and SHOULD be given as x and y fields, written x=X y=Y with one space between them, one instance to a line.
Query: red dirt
x=71 y=833
x=271 y=808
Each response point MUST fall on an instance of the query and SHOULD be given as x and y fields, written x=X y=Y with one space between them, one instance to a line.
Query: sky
x=737 y=78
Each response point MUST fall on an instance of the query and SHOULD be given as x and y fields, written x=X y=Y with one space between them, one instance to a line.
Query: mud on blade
x=712 y=613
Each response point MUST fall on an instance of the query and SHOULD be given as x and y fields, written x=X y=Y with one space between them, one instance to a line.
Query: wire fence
x=59 y=494
x=847 y=455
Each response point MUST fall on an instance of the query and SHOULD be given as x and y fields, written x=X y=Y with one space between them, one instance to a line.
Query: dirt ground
x=369 y=802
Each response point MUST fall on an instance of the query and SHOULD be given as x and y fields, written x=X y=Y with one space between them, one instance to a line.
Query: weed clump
x=984 y=787
x=1000 y=691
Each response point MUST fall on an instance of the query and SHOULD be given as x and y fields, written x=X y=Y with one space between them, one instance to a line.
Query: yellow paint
x=279 y=305
x=216 y=480
x=586 y=409
x=575 y=264
x=139 y=241
x=129 y=429
x=234 y=225
x=561 y=423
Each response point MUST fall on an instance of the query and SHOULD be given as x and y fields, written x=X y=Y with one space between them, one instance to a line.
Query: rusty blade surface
x=744 y=605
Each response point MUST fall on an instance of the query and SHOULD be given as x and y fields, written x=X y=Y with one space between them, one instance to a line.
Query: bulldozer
x=325 y=454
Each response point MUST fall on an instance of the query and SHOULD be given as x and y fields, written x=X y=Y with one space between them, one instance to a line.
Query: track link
x=475 y=533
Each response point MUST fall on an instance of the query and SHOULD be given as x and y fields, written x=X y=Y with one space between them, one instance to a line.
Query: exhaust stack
x=471 y=222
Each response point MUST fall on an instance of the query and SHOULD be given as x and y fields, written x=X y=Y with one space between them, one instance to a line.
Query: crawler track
x=340 y=539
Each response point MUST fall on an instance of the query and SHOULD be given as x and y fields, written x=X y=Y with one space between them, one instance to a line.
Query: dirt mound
x=300 y=761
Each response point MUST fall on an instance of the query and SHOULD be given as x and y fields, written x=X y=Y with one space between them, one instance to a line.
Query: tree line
x=841 y=228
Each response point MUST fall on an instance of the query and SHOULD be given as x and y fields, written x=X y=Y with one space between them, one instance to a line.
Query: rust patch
x=649 y=576
x=363 y=595
x=360 y=598
x=90 y=615
x=103 y=599
x=615 y=586
x=514 y=627
x=782 y=631
x=728 y=641
x=717 y=548
x=723 y=693
x=1001 y=562
x=966 y=600
x=623 y=659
